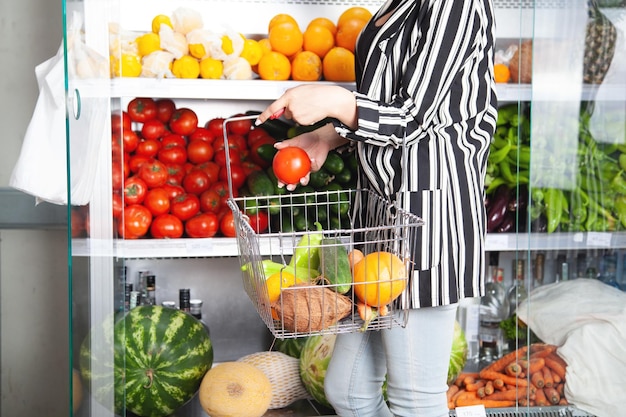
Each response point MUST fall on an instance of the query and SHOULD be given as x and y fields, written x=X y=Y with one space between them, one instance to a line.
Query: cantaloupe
x=235 y=389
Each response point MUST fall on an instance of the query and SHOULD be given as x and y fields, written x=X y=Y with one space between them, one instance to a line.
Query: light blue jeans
x=414 y=358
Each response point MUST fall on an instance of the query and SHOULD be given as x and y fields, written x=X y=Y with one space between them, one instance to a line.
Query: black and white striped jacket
x=425 y=84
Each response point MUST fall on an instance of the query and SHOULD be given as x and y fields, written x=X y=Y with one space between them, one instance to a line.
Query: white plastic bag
x=586 y=319
x=41 y=168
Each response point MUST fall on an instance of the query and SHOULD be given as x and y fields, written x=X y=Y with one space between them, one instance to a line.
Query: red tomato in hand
x=135 y=190
x=154 y=173
x=203 y=225
x=199 y=151
x=291 y=164
x=184 y=121
x=227 y=225
x=185 y=206
x=216 y=126
x=196 y=182
x=166 y=226
x=210 y=202
x=142 y=109
x=165 y=109
x=136 y=222
x=157 y=200
x=153 y=129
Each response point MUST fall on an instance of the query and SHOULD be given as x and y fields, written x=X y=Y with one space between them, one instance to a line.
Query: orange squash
x=379 y=278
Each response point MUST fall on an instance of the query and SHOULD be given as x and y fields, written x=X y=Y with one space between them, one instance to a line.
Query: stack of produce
x=532 y=375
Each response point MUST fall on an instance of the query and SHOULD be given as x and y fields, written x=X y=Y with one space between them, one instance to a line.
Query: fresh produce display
x=532 y=375
x=235 y=389
x=283 y=371
x=160 y=356
x=180 y=46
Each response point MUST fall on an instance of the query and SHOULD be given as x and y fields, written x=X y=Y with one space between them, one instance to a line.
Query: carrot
x=508 y=395
x=541 y=350
x=500 y=364
x=556 y=364
x=555 y=377
x=489 y=388
x=469 y=379
x=457 y=395
x=513 y=369
x=532 y=365
x=459 y=379
x=563 y=401
x=464 y=395
x=452 y=389
x=540 y=398
x=560 y=388
x=481 y=392
x=498 y=384
x=475 y=385
x=548 y=381
x=487 y=374
x=552 y=395
x=482 y=401
x=537 y=379
x=383 y=310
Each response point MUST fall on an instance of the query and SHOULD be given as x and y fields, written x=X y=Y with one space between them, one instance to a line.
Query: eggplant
x=498 y=207
x=519 y=200
x=508 y=223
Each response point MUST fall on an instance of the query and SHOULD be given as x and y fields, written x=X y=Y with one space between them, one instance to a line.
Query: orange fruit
x=286 y=38
x=348 y=32
x=274 y=66
x=338 y=65
x=318 y=39
x=306 y=66
x=325 y=22
x=354 y=13
x=379 y=278
x=281 y=18
x=265 y=45
x=279 y=280
x=501 y=73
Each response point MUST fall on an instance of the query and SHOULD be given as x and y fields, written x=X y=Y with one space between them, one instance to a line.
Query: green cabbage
x=458 y=356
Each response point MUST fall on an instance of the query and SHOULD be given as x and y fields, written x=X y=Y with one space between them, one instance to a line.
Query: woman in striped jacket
x=424 y=87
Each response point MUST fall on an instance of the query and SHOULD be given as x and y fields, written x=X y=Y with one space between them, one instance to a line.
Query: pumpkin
x=150 y=362
x=283 y=372
x=235 y=389
x=379 y=278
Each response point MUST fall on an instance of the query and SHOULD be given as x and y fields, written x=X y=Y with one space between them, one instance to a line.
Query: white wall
x=33 y=264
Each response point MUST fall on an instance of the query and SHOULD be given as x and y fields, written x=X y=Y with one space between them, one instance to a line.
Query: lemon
x=252 y=51
x=197 y=50
x=159 y=20
x=148 y=43
x=211 y=69
x=278 y=281
x=186 y=67
x=227 y=45
x=128 y=65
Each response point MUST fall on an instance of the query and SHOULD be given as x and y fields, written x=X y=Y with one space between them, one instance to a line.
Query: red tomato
x=77 y=221
x=291 y=164
x=135 y=190
x=210 y=201
x=173 y=154
x=148 y=147
x=166 y=226
x=212 y=169
x=118 y=205
x=221 y=188
x=157 y=200
x=199 y=151
x=184 y=121
x=165 y=109
x=237 y=175
x=136 y=222
x=240 y=127
x=227 y=224
x=234 y=140
x=173 y=190
x=142 y=109
x=196 y=182
x=233 y=154
x=117 y=175
x=249 y=167
x=130 y=140
x=201 y=226
x=153 y=129
x=120 y=121
x=202 y=133
x=259 y=221
x=256 y=134
x=172 y=139
x=253 y=155
x=185 y=206
x=135 y=162
x=216 y=126
x=154 y=173
x=116 y=146
x=176 y=173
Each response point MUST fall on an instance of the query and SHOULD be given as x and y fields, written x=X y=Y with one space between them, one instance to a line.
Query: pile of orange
x=323 y=50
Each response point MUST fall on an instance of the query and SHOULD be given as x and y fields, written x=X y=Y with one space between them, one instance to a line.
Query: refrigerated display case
x=560 y=129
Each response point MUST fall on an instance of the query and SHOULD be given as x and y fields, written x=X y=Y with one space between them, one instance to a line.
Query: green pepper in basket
x=306 y=252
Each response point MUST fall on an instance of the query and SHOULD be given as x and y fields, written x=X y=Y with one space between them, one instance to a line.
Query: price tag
x=471 y=411
x=599 y=239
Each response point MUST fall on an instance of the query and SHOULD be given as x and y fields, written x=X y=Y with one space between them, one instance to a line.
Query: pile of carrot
x=532 y=375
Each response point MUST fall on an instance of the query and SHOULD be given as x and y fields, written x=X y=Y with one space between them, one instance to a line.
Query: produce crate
x=354 y=219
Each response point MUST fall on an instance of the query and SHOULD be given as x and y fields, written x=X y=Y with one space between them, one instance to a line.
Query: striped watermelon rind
x=314 y=358
x=150 y=362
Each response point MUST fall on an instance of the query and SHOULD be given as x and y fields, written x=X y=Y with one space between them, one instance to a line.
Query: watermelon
x=458 y=355
x=291 y=347
x=314 y=359
x=150 y=362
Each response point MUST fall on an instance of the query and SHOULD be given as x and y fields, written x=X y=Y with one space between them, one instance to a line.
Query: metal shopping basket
x=297 y=298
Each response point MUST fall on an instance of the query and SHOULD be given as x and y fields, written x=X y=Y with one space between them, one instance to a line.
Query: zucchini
x=334 y=264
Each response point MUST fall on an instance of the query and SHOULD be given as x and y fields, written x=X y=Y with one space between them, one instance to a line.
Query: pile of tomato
x=169 y=174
